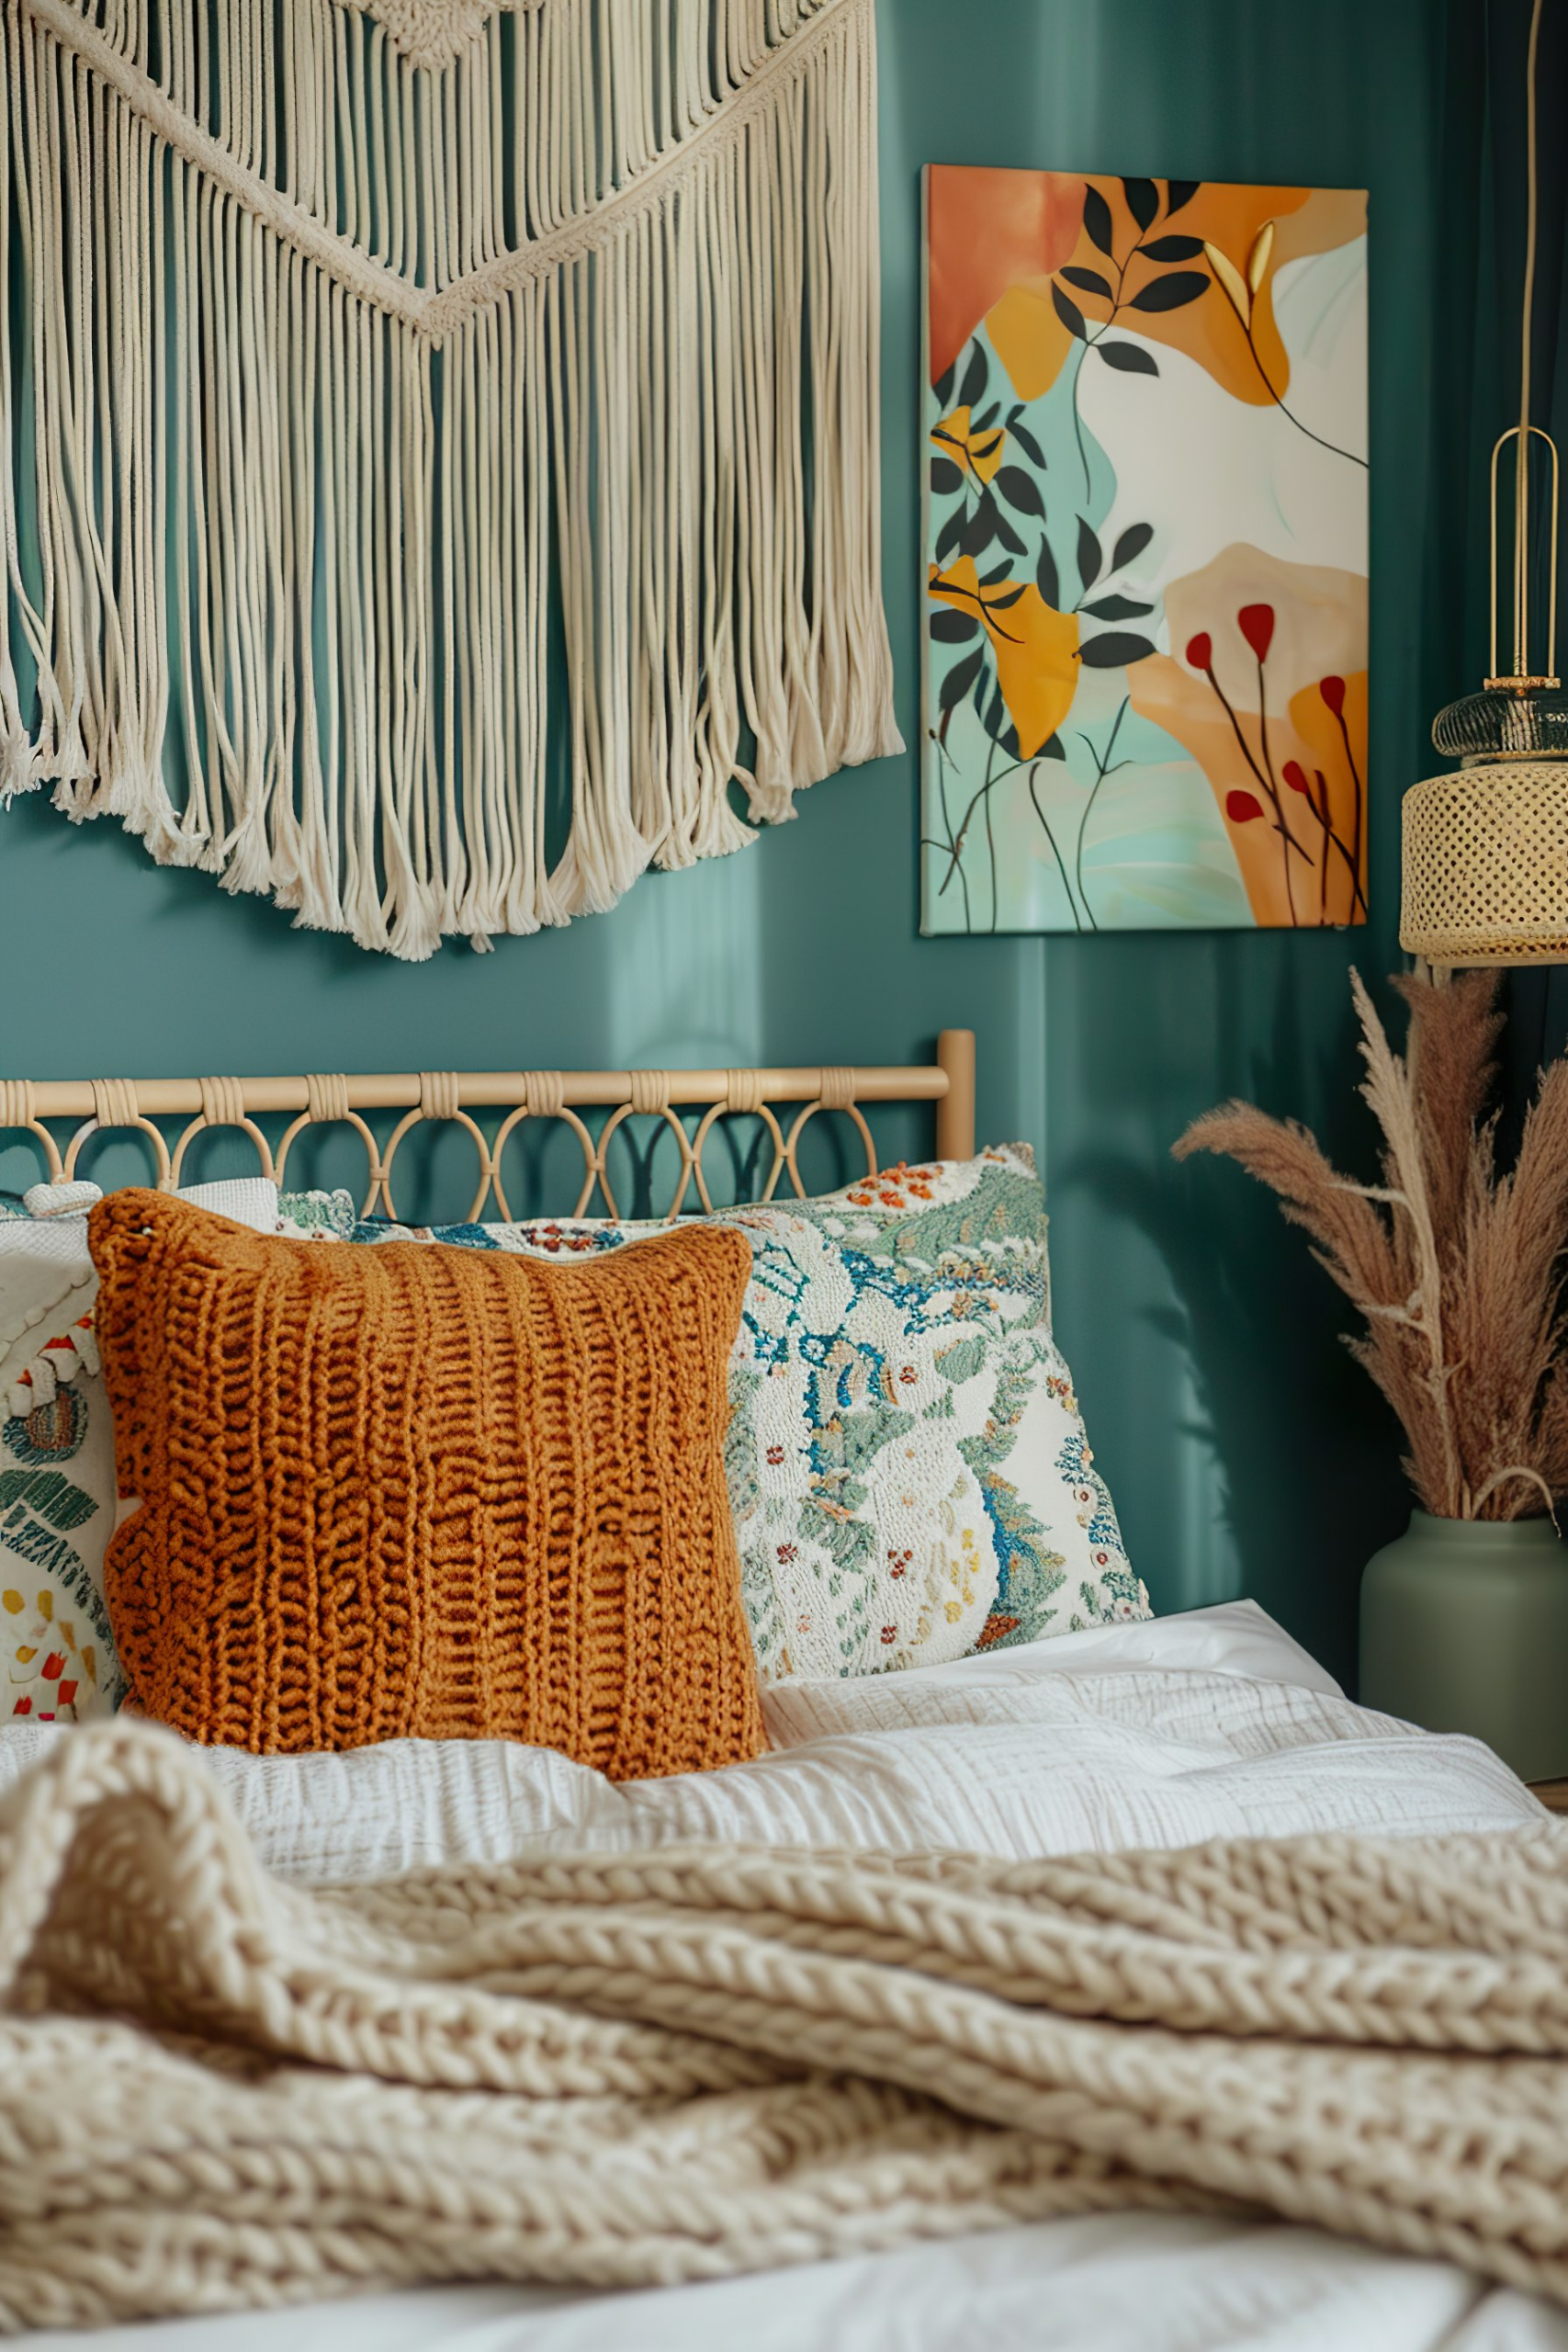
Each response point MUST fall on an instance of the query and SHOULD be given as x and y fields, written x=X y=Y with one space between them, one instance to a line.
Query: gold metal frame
x=1520 y=677
x=92 y=1105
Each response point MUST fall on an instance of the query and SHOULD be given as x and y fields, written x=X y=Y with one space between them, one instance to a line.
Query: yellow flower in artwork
x=1036 y=646
x=978 y=454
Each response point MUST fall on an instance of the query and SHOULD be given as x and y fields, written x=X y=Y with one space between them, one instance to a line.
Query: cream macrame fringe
x=363 y=347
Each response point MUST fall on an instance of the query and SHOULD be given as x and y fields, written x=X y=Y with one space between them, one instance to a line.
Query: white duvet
x=1213 y=1724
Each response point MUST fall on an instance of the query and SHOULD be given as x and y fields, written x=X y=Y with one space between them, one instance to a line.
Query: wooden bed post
x=955 y=1109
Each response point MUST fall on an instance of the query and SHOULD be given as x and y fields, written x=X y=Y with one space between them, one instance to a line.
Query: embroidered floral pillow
x=57 y=1463
x=908 y=1466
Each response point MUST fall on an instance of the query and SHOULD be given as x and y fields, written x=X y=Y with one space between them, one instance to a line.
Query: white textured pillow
x=908 y=1466
x=57 y=1468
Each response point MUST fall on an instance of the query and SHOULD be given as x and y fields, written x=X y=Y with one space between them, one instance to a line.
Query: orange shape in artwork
x=979 y=454
x=987 y=230
x=1000 y=240
x=1036 y=648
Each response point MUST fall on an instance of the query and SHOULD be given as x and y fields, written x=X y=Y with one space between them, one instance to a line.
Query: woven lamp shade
x=1486 y=864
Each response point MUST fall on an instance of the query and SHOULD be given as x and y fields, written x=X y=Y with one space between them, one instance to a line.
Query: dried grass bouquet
x=1458 y=1267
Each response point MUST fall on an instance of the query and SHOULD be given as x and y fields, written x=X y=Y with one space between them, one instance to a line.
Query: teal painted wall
x=1245 y=1453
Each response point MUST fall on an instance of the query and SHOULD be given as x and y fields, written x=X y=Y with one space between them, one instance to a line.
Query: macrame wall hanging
x=369 y=373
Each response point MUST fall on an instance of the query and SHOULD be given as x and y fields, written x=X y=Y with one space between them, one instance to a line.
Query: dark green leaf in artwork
x=1173 y=249
x=947 y=538
x=1006 y=535
x=982 y=688
x=1009 y=741
x=1172 y=291
x=976 y=377
x=945 y=478
x=1114 y=650
x=1088 y=282
x=949 y=627
x=1054 y=750
x=1133 y=542
x=1089 y=557
x=1096 y=221
x=1027 y=443
x=1068 y=312
x=997 y=716
x=950 y=439
x=987 y=415
x=960 y=678
x=1143 y=201
x=1019 y=488
x=980 y=450
x=943 y=388
x=1129 y=358
x=979 y=530
x=1045 y=578
x=1010 y=597
x=999 y=571
x=1178 y=193
x=1118 y=608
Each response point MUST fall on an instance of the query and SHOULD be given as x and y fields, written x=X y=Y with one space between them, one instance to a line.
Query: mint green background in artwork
x=1246 y=1452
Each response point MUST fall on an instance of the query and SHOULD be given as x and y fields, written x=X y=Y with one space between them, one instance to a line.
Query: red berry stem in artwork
x=1333 y=692
x=1295 y=775
x=1257 y=624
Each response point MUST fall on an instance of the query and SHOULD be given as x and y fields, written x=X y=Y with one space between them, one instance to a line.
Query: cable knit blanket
x=217 y=2090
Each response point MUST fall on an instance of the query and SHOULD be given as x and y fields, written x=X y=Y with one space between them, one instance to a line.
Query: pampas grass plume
x=1456 y=1269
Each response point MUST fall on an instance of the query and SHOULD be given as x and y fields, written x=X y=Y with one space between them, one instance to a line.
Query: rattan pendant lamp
x=1486 y=850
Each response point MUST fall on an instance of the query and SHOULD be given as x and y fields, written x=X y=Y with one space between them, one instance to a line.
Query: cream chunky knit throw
x=216 y=2089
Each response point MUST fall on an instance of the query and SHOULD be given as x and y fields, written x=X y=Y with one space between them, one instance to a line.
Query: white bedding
x=1211 y=1724
x=1187 y=1727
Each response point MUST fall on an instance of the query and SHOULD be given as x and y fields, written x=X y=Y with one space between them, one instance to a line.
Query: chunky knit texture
x=421 y=1492
x=628 y=2069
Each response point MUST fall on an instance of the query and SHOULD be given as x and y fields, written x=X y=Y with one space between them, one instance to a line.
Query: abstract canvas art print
x=1145 y=554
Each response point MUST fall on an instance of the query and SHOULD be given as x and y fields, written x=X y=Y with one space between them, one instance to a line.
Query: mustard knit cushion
x=415 y=1492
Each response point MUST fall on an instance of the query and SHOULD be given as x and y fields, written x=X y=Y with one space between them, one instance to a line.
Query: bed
x=1158 y=1735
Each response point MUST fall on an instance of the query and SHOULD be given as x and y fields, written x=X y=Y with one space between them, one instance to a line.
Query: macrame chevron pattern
x=431 y=32
x=408 y=399
x=217 y=2090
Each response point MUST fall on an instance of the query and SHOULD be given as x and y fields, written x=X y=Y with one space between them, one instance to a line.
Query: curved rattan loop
x=115 y=1105
x=222 y=1105
x=756 y=1109
x=345 y=1117
x=411 y=1119
x=562 y=1111
x=852 y=1111
x=18 y=1114
x=99 y=1126
x=599 y=1166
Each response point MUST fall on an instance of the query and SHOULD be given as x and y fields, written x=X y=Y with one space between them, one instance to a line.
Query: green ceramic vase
x=1464 y=1627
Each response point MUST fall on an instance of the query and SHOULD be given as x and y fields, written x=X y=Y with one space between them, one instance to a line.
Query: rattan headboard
x=79 y=1108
